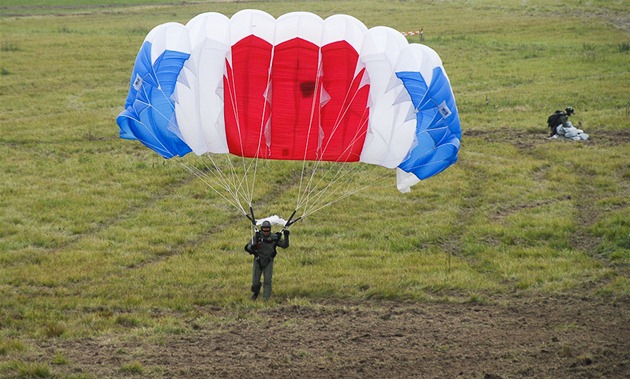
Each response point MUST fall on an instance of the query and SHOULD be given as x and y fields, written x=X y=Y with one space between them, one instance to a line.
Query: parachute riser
x=252 y=218
x=291 y=221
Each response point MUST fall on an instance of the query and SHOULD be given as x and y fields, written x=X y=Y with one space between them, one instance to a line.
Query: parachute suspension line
x=341 y=180
x=347 y=172
x=344 y=195
x=340 y=172
x=238 y=183
x=261 y=133
x=316 y=95
x=313 y=191
x=310 y=187
x=259 y=150
x=232 y=184
x=345 y=109
x=336 y=188
x=244 y=182
x=222 y=182
x=200 y=174
x=204 y=178
x=322 y=195
x=233 y=99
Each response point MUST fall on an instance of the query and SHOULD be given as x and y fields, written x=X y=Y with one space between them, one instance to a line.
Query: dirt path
x=531 y=337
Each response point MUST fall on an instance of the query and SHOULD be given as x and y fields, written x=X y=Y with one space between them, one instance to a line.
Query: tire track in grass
x=202 y=237
x=165 y=192
x=55 y=259
x=482 y=178
x=589 y=214
x=95 y=273
x=192 y=243
x=277 y=190
x=123 y=216
x=585 y=198
x=582 y=201
x=453 y=244
x=283 y=185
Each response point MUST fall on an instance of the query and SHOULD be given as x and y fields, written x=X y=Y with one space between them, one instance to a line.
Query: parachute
x=296 y=88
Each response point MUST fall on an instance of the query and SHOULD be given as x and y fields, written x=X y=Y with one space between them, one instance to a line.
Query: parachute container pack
x=293 y=88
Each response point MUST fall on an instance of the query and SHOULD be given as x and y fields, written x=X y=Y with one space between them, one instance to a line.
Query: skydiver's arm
x=250 y=248
x=284 y=242
x=251 y=245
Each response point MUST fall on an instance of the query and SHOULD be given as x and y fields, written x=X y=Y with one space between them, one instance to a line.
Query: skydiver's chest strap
x=267 y=247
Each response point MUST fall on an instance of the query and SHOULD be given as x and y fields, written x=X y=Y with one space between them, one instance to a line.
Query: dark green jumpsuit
x=559 y=118
x=264 y=251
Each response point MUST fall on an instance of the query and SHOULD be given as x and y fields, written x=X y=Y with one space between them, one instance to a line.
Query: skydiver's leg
x=256 y=273
x=267 y=280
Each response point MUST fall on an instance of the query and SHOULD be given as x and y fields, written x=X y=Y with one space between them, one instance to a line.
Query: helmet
x=569 y=110
x=266 y=225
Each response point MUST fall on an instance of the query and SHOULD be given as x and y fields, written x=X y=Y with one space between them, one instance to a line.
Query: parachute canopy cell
x=298 y=87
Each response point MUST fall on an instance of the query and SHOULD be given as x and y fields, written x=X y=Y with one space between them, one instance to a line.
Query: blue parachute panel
x=438 y=130
x=149 y=108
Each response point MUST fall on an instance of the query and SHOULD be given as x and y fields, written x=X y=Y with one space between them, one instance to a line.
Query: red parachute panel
x=300 y=127
x=246 y=109
x=345 y=115
x=295 y=100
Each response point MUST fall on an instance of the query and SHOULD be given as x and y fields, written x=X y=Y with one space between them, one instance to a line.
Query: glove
x=279 y=235
x=286 y=232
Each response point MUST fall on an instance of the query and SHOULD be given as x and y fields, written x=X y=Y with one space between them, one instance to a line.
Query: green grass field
x=101 y=236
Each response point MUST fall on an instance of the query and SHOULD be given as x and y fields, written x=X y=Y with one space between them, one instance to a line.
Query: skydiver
x=559 y=118
x=263 y=247
x=562 y=127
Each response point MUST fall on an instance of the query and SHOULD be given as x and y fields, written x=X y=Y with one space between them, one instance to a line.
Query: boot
x=255 y=291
